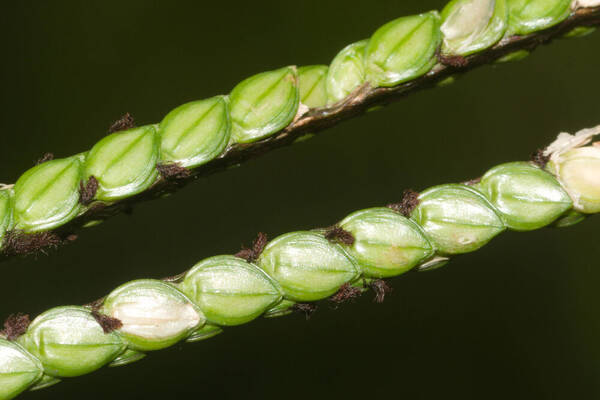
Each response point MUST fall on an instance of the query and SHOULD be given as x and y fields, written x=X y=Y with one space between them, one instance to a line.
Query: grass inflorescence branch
x=294 y=271
x=272 y=109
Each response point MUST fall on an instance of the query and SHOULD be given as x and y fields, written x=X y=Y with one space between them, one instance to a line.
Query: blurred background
x=517 y=319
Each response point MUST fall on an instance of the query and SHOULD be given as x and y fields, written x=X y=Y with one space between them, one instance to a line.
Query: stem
x=295 y=270
x=316 y=120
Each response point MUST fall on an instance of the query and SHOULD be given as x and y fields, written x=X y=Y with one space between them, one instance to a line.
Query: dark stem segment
x=319 y=119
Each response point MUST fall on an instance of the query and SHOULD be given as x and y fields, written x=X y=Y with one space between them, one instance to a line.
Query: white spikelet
x=585 y=3
x=156 y=318
x=468 y=22
x=565 y=142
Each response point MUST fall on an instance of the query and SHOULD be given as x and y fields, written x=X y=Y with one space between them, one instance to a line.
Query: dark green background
x=516 y=320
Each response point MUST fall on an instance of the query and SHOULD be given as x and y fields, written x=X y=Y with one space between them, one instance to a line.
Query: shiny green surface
x=124 y=163
x=230 y=291
x=264 y=104
x=527 y=16
x=527 y=294
x=69 y=342
x=386 y=244
x=5 y=213
x=526 y=196
x=196 y=132
x=469 y=26
x=457 y=219
x=312 y=85
x=18 y=370
x=127 y=357
x=307 y=266
x=47 y=195
x=206 y=332
x=154 y=314
x=346 y=72
x=341 y=261
x=403 y=49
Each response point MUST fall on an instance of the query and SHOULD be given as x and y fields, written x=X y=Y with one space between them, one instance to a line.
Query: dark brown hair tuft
x=252 y=254
x=410 y=201
x=172 y=171
x=381 y=289
x=17 y=242
x=87 y=191
x=346 y=293
x=45 y=157
x=338 y=234
x=122 y=124
x=453 y=61
x=16 y=325
x=539 y=158
x=308 y=309
x=472 y=182
x=107 y=323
